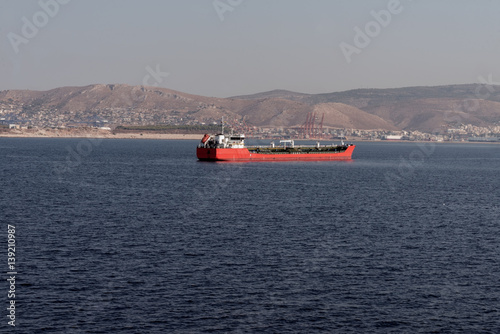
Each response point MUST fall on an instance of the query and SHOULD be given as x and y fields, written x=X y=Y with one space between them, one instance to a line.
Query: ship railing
x=296 y=146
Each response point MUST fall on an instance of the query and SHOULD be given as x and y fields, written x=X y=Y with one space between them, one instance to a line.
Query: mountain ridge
x=421 y=108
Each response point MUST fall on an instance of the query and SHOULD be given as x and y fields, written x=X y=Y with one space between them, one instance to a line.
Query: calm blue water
x=137 y=236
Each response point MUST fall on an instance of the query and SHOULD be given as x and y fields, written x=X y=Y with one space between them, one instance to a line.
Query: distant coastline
x=414 y=112
x=94 y=133
x=97 y=133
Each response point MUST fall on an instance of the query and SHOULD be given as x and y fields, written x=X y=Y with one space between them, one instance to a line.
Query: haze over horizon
x=236 y=47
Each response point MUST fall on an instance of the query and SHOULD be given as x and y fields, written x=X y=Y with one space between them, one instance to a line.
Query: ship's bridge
x=236 y=141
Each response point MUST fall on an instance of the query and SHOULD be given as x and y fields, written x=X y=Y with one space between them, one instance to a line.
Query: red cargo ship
x=232 y=148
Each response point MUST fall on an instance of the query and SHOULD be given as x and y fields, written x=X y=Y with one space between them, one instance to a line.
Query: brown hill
x=413 y=108
x=339 y=115
x=96 y=97
x=275 y=112
x=121 y=104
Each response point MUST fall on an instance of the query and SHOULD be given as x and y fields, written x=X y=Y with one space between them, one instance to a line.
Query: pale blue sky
x=260 y=45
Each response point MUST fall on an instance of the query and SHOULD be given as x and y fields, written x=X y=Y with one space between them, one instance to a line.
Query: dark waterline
x=137 y=236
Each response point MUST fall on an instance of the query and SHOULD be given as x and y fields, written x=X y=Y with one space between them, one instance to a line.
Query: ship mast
x=222 y=125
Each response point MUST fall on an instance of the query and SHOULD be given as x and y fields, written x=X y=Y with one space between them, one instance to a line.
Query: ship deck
x=296 y=150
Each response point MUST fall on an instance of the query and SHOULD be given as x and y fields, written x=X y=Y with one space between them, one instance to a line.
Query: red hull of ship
x=242 y=154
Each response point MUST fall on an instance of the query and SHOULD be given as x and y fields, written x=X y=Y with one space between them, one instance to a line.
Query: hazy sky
x=230 y=47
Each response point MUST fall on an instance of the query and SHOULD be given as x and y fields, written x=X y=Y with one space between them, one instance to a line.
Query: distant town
x=129 y=120
x=34 y=117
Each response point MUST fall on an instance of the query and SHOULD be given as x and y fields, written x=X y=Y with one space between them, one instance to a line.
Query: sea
x=137 y=236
